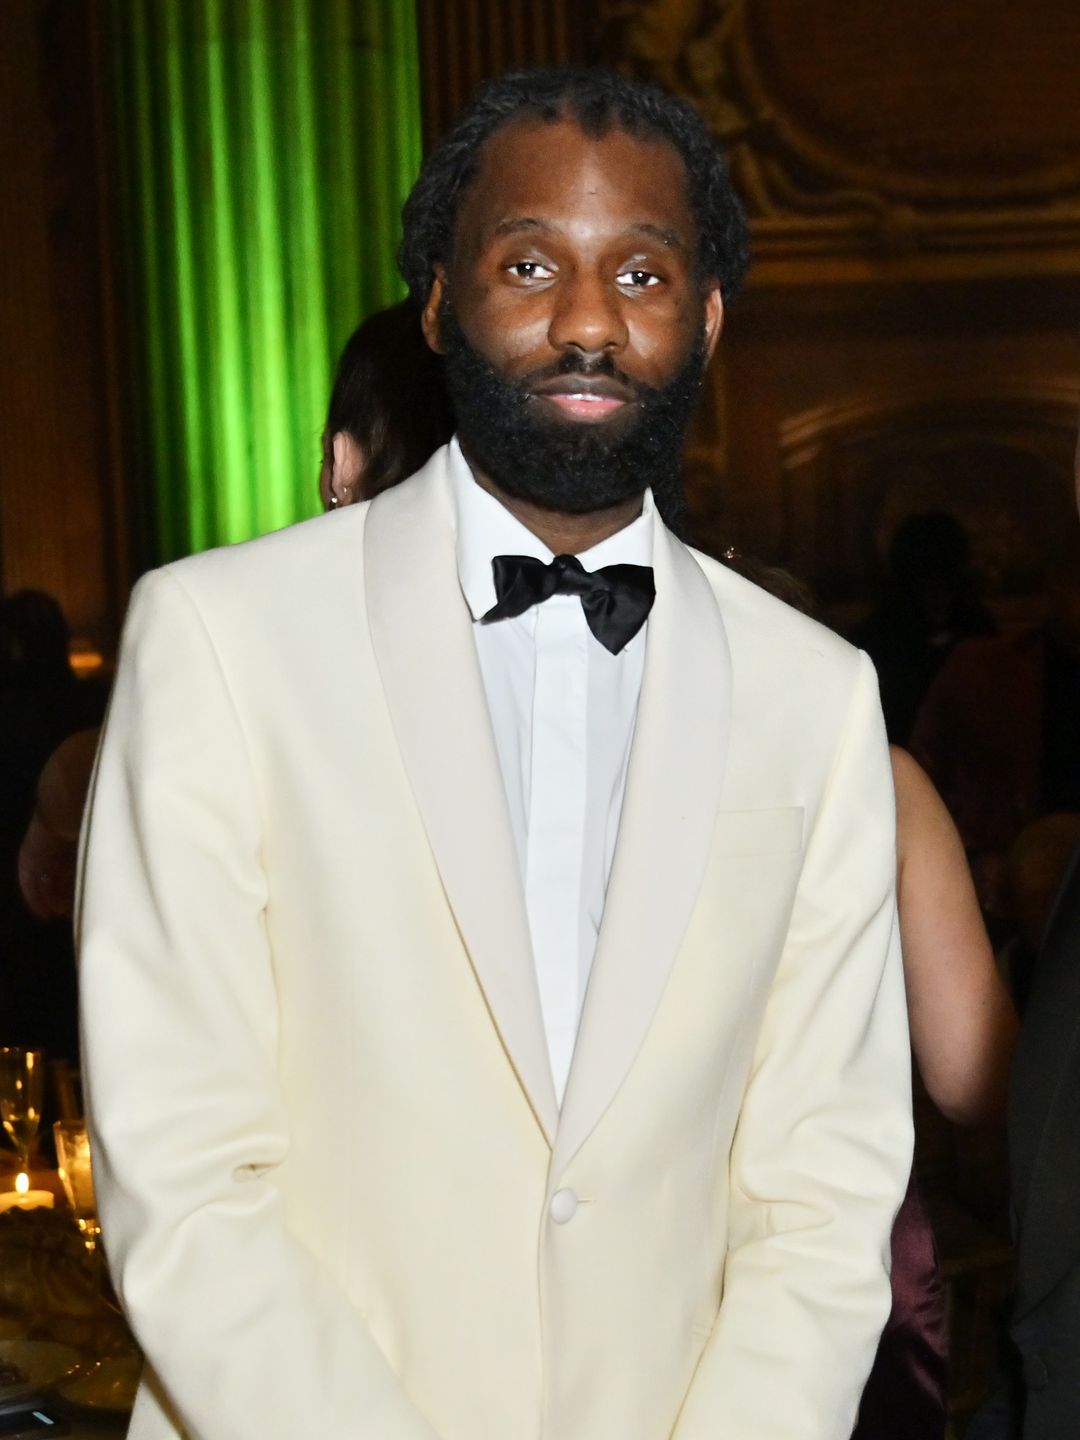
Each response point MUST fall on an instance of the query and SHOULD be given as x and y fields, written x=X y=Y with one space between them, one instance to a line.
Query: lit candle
x=23 y=1198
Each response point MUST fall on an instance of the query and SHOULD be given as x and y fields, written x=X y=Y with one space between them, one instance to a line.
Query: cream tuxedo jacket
x=327 y=1142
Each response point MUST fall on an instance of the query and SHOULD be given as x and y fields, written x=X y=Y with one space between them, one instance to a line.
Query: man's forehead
x=534 y=172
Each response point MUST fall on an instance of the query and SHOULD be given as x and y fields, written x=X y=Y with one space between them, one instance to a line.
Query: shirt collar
x=485 y=528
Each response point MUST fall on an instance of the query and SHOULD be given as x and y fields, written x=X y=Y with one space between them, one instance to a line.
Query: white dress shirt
x=562 y=710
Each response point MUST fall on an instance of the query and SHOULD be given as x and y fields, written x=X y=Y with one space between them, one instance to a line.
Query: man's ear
x=714 y=318
x=429 y=320
x=346 y=468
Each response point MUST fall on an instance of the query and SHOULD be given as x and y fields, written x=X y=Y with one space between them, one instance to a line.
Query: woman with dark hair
x=388 y=409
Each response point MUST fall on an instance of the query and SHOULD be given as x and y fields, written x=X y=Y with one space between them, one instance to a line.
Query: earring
x=333 y=501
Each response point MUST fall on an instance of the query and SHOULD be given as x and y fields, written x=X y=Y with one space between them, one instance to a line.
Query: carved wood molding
x=848 y=465
x=846 y=131
x=1050 y=404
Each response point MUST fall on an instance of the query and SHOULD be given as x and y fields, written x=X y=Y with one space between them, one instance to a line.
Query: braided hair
x=598 y=101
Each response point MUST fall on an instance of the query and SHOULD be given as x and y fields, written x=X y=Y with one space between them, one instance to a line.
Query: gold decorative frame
x=804 y=198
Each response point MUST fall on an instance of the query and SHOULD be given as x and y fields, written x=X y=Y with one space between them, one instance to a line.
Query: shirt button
x=563 y=1206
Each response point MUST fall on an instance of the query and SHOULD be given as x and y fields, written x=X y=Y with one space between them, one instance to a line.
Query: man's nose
x=588 y=316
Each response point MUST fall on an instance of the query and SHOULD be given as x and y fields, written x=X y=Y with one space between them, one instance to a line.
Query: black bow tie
x=616 y=599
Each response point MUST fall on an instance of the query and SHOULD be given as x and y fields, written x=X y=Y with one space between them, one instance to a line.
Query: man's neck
x=561 y=532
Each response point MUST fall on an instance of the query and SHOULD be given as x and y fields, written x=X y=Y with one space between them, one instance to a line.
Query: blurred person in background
x=963 y=1032
x=1038 y=863
x=998 y=731
x=929 y=602
x=388 y=409
x=47 y=854
x=41 y=703
x=1039 y=1398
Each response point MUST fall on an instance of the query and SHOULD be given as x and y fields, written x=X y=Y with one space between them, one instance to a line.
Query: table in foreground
x=63 y=1341
x=33 y=1414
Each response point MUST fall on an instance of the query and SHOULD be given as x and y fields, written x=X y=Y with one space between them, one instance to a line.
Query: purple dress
x=905 y=1396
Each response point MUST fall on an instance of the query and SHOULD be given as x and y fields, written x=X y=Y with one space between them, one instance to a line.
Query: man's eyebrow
x=669 y=238
x=523 y=224
x=515 y=224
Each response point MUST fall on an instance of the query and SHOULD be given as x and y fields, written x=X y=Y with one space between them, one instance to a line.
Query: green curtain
x=264 y=150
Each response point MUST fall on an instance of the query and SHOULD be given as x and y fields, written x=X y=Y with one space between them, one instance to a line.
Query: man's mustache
x=572 y=363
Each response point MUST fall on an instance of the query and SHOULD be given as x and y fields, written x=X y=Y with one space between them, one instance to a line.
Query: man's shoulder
x=767 y=622
x=272 y=558
x=302 y=550
x=275 y=586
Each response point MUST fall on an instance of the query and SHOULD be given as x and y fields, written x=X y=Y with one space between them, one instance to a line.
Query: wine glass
x=22 y=1086
x=76 y=1176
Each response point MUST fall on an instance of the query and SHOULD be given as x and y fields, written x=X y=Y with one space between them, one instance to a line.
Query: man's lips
x=584 y=397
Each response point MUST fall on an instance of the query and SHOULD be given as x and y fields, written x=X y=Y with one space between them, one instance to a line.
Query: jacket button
x=563 y=1206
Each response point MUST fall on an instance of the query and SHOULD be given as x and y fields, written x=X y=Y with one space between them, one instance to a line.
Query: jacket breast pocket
x=759 y=832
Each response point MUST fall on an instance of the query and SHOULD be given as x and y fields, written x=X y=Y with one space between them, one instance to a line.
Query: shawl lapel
x=669 y=813
x=424 y=647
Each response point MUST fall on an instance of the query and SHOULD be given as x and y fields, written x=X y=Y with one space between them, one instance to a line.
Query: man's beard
x=575 y=467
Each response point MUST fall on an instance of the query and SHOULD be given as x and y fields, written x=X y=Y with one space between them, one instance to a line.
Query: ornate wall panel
x=924 y=100
x=995 y=457
x=463 y=42
x=908 y=338
x=836 y=411
x=881 y=129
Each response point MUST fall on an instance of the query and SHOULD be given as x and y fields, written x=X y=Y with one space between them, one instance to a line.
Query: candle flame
x=22 y=1182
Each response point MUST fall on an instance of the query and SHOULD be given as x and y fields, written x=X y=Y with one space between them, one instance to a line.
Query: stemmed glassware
x=73 y=1162
x=22 y=1089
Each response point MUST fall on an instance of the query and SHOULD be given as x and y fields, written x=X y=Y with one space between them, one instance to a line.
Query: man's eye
x=529 y=270
x=638 y=279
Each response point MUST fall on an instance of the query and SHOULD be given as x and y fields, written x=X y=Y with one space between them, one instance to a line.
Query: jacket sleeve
x=245 y=1331
x=822 y=1152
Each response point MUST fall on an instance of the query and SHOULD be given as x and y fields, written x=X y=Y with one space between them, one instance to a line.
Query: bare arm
x=963 y=1026
x=48 y=851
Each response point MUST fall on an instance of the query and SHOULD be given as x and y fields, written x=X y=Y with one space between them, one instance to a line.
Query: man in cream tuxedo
x=493 y=1014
